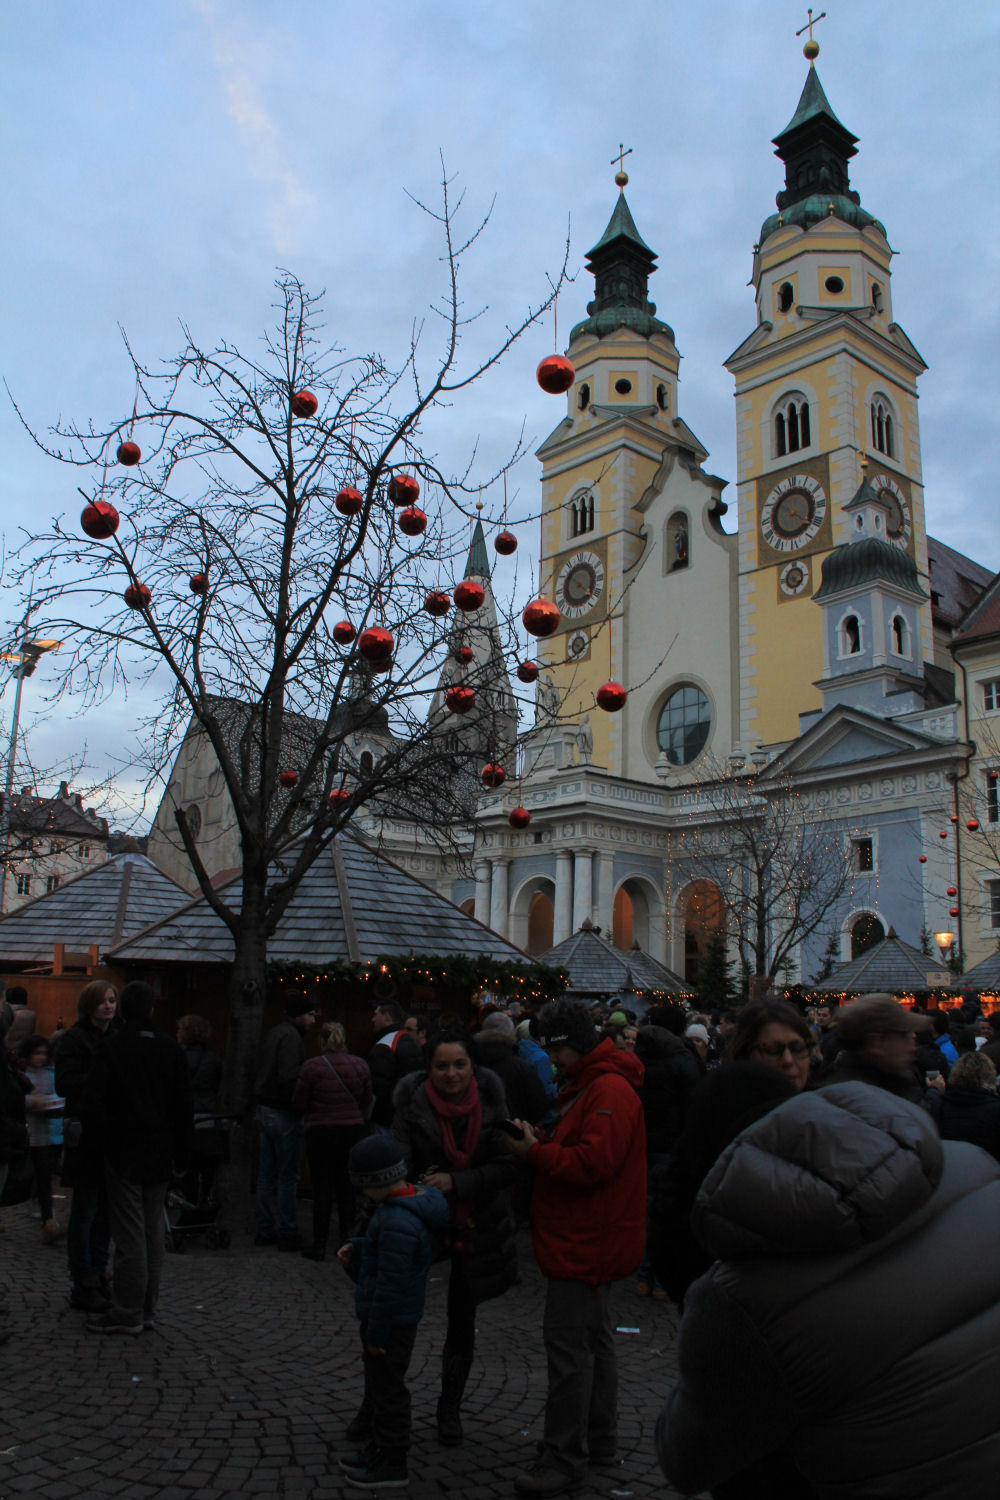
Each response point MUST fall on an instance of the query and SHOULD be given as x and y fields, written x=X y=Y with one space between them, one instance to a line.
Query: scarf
x=468 y=1108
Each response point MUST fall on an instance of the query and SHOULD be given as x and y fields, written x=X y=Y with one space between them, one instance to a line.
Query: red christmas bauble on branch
x=100 y=520
x=462 y=653
x=555 y=374
x=344 y=632
x=541 y=617
x=519 y=817
x=951 y=891
x=505 y=543
x=436 y=602
x=129 y=454
x=611 y=697
x=943 y=834
x=304 y=404
x=198 y=583
x=527 y=671
x=493 y=775
x=404 y=489
x=973 y=825
x=469 y=595
x=459 y=699
x=953 y=911
x=340 y=794
x=412 y=521
x=923 y=859
x=349 y=501
x=288 y=778
x=137 y=596
x=376 y=645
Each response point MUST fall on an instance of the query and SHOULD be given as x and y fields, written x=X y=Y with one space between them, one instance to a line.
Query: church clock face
x=895 y=502
x=793 y=512
x=579 y=584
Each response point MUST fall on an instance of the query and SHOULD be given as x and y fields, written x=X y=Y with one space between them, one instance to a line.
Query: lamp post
x=944 y=941
x=24 y=660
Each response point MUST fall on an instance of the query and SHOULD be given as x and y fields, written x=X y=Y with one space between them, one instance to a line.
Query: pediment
x=846 y=737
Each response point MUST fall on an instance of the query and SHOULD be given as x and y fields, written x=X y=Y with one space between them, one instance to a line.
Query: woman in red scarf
x=446 y=1120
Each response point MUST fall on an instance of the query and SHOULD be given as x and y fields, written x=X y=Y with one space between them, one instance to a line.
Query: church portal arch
x=699 y=919
x=532 y=914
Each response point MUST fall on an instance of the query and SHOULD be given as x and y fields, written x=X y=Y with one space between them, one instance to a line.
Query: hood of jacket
x=605 y=1058
x=429 y=1205
x=825 y=1173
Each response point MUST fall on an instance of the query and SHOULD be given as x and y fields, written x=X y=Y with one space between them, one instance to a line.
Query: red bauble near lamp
x=304 y=404
x=100 y=520
x=611 y=697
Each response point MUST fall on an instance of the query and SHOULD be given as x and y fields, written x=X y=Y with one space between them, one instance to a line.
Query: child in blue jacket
x=392 y=1258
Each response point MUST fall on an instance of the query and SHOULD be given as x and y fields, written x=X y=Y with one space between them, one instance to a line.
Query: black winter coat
x=488 y=1253
x=388 y=1062
x=525 y=1092
x=671 y=1077
x=137 y=1104
x=971 y=1115
x=73 y=1059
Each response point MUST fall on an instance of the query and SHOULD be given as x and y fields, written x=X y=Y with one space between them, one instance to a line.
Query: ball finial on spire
x=621 y=176
x=810 y=51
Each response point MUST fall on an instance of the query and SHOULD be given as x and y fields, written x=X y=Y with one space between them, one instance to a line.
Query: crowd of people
x=817 y=1190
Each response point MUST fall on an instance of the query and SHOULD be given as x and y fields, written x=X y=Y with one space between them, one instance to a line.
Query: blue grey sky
x=163 y=158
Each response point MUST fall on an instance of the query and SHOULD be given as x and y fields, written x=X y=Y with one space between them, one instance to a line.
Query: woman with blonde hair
x=334 y=1095
x=970 y=1109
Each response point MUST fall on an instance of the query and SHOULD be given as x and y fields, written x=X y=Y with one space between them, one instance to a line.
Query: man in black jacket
x=137 y=1101
x=394 y=1054
x=282 y=1054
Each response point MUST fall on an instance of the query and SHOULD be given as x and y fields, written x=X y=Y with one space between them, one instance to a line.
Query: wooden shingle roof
x=985 y=975
x=596 y=968
x=890 y=965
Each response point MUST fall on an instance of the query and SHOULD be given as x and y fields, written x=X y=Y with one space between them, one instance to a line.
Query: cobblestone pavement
x=246 y=1385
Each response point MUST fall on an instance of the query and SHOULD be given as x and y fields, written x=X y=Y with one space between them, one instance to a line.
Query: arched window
x=899 y=636
x=883 y=427
x=663 y=396
x=581 y=513
x=366 y=764
x=791 y=425
x=850 y=636
x=683 y=725
x=878 y=301
x=583 y=396
x=786 y=296
x=866 y=931
x=678 y=542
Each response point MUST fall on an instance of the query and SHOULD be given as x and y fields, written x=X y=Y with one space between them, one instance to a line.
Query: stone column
x=583 y=898
x=483 y=891
x=498 y=898
x=606 y=894
x=562 y=927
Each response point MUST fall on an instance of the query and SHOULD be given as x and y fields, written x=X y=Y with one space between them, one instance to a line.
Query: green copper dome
x=872 y=560
x=621 y=263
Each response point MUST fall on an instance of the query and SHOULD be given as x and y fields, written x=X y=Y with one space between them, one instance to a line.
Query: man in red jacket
x=588 y=1228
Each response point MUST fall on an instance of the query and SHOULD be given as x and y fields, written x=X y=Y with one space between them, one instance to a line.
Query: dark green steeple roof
x=621 y=263
x=478 y=565
x=816 y=149
x=857 y=564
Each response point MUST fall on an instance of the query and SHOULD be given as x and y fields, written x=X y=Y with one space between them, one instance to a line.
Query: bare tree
x=778 y=870
x=268 y=509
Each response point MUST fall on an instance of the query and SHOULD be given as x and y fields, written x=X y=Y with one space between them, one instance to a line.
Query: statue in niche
x=584 y=741
x=548 y=702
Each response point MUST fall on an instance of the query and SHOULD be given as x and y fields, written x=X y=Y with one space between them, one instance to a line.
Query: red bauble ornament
x=493 y=775
x=953 y=911
x=404 y=489
x=505 y=543
x=137 y=596
x=555 y=374
x=100 y=520
x=943 y=834
x=129 y=454
x=349 y=501
x=953 y=818
x=469 y=595
x=541 y=617
x=462 y=654
x=376 y=646
x=198 y=583
x=288 y=778
x=973 y=825
x=923 y=859
x=459 y=699
x=611 y=697
x=340 y=795
x=951 y=891
x=527 y=671
x=437 y=602
x=304 y=404
x=519 y=817
x=412 y=521
x=344 y=632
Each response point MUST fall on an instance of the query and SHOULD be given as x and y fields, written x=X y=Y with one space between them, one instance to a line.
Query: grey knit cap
x=377 y=1161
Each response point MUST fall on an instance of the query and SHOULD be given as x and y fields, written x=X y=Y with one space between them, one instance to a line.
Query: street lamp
x=944 y=941
x=23 y=661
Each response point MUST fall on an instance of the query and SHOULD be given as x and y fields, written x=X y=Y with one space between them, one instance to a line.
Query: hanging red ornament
x=304 y=404
x=459 y=699
x=519 y=817
x=404 y=489
x=555 y=374
x=436 y=602
x=973 y=825
x=951 y=891
x=505 y=543
x=527 y=671
x=469 y=595
x=129 y=454
x=412 y=521
x=198 y=583
x=943 y=834
x=953 y=818
x=344 y=632
x=288 y=778
x=953 y=911
x=462 y=653
x=923 y=859
x=100 y=520
x=493 y=775
x=340 y=794
x=611 y=697
x=376 y=645
x=541 y=617
x=349 y=501
x=137 y=596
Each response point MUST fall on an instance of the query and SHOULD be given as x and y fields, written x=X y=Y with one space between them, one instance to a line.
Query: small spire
x=621 y=176
x=811 y=49
x=478 y=564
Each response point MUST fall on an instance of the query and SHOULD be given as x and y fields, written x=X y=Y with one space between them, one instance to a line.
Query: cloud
x=242 y=65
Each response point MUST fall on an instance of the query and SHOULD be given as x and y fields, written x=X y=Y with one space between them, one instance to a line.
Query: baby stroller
x=191 y=1207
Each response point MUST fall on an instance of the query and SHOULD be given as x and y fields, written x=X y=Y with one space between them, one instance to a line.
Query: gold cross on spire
x=811 y=48
x=621 y=176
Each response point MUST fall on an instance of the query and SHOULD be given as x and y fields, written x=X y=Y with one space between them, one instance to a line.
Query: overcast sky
x=163 y=158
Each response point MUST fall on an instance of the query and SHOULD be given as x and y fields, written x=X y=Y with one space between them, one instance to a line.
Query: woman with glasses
x=775 y=1034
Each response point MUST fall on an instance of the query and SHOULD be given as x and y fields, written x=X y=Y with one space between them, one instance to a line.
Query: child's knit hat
x=377 y=1161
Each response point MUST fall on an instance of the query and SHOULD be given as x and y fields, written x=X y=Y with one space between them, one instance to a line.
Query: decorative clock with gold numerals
x=579 y=584
x=793 y=512
x=892 y=497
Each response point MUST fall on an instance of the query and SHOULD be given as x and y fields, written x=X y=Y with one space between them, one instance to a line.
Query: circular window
x=683 y=725
x=623 y=386
x=834 y=285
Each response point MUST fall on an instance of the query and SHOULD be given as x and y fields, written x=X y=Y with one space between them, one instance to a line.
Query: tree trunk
x=247 y=997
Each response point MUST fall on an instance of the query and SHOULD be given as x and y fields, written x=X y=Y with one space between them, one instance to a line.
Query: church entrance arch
x=866 y=931
x=638 y=917
x=701 y=914
x=532 y=915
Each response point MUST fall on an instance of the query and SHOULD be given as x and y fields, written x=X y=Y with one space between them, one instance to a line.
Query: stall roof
x=595 y=967
x=889 y=965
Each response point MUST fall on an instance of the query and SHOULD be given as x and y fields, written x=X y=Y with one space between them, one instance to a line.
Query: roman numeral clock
x=793 y=513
